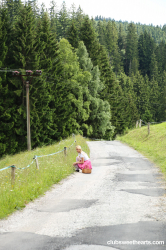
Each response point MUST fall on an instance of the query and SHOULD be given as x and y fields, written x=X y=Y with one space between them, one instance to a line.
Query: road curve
x=124 y=199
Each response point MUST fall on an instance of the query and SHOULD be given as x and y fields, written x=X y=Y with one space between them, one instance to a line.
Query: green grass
x=31 y=183
x=152 y=146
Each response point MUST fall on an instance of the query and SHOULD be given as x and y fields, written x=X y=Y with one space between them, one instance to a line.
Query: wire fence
x=140 y=123
x=35 y=159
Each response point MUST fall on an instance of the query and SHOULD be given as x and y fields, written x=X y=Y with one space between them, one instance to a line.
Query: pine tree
x=146 y=46
x=162 y=99
x=73 y=35
x=79 y=17
x=26 y=56
x=53 y=16
x=131 y=111
x=8 y=144
x=153 y=67
x=63 y=21
x=122 y=44
x=160 y=56
x=89 y=37
x=131 y=49
x=13 y=7
x=142 y=95
x=112 y=46
x=101 y=32
x=154 y=98
x=73 y=12
x=121 y=38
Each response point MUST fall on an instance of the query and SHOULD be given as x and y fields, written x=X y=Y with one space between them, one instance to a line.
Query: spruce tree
x=79 y=17
x=121 y=38
x=89 y=37
x=131 y=50
x=146 y=46
x=73 y=35
x=154 y=99
x=63 y=21
x=131 y=112
x=26 y=56
x=142 y=96
x=112 y=46
x=153 y=67
x=162 y=99
x=8 y=142
x=101 y=30
x=53 y=16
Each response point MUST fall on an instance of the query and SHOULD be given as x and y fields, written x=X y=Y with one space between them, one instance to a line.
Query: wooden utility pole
x=28 y=117
x=29 y=73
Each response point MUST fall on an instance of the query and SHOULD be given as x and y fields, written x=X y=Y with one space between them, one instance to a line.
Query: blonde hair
x=78 y=147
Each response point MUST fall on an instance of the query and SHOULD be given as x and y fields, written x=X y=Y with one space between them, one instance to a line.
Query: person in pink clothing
x=82 y=160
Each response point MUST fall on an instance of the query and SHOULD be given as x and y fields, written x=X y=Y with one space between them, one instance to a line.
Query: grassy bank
x=30 y=182
x=152 y=146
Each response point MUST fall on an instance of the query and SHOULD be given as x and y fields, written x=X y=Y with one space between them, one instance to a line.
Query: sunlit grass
x=152 y=146
x=30 y=182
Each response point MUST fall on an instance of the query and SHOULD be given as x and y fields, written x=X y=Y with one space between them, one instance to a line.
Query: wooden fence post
x=136 y=124
x=148 y=128
x=37 y=163
x=74 y=137
x=65 y=151
x=140 y=121
x=13 y=171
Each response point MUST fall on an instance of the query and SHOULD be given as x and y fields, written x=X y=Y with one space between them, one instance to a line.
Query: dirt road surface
x=121 y=205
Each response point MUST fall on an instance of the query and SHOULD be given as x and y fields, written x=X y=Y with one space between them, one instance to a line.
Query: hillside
x=152 y=146
x=158 y=33
x=96 y=79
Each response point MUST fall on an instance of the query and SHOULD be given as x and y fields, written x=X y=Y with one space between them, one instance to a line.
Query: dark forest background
x=98 y=76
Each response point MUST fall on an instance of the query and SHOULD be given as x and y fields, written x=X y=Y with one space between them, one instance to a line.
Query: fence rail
x=35 y=159
x=141 y=123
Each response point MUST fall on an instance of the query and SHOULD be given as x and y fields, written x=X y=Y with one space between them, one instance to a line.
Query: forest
x=98 y=76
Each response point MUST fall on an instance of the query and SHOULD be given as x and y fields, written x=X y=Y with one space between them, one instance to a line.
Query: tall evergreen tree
x=112 y=46
x=154 y=99
x=53 y=16
x=8 y=144
x=101 y=32
x=146 y=46
x=64 y=21
x=162 y=99
x=142 y=96
x=131 y=61
x=153 y=67
x=89 y=37
x=73 y=35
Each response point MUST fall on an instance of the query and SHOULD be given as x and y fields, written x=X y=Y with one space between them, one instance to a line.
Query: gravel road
x=124 y=199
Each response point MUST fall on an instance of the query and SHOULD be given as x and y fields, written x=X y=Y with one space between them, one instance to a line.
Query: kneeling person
x=82 y=160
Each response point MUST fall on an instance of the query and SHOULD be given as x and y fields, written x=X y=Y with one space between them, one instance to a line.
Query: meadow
x=31 y=182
